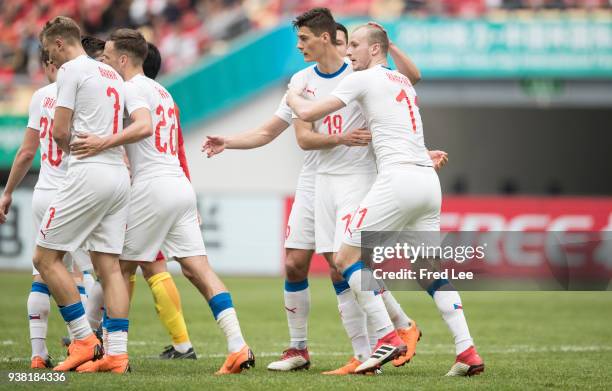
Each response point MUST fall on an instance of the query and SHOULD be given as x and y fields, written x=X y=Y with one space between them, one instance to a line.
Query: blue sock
x=220 y=302
x=117 y=324
x=296 y=286
x=348 y=272
x=72 y=311
x=40 y=287
x=341 y=286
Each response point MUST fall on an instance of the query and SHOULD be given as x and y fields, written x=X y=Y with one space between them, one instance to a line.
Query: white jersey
x=53 y=162
x=156 y=155
x=340 y=159
x=389 y=103
x=306 y=180
x=94 y=91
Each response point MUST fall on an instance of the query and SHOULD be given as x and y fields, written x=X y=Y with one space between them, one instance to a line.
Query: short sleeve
x=351 y=87
x=284 y=111
x=134 y=99
x=34 y=111
x=67 y=85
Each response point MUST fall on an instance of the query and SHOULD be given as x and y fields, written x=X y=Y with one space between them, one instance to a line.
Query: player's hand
x=213 y=145
x=5 y=203
x=356 y=138
x=379 y=26
x=86 y=145
x=439 y=158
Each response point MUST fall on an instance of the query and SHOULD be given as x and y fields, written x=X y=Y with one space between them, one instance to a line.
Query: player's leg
x=77 y=277
x=353 y=321
x=299 y=247
x=377 y=212
x=38 y=314
x=168 y=306
x=105 y=242
x=51 y=267
x=297 y=308
x=184 y=242
x=115 y=323
x=200 y=274
x=444 y=295
x=95 y=305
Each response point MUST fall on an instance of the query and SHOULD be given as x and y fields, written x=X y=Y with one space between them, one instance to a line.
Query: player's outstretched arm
x=311 y=111
x=308 y=139
x=86 y=145
x=404 y=64
x=21 y=165
x=254 y=138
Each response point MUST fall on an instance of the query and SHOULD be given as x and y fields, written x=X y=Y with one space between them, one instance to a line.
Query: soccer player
x=343 y=176
x=53 y=168
x=388 y=100
x=165 y=294
x=157 y=219
x=300 y=239
x=90 y=206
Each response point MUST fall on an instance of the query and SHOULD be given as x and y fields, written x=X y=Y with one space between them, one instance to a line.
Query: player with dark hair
x=93 y=46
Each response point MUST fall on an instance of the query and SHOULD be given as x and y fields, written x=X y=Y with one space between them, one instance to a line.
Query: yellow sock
x=168 y=306
x=131 y=287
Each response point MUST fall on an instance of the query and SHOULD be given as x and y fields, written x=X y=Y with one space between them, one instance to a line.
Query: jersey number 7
x=404 y=96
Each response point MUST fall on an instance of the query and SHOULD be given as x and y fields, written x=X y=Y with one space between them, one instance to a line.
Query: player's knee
x=187 y=272
x=295 y=270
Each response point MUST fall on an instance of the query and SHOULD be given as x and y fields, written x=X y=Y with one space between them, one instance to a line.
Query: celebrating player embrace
x=388 y=101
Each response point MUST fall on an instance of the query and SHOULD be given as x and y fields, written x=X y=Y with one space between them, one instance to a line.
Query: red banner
x=522 y=214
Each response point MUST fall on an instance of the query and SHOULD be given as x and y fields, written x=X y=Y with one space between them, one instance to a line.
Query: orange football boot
x=236 y=362
x=39 y=363
x=118 y=363
x=347 y=369
x=410 y=336
x=81 y=351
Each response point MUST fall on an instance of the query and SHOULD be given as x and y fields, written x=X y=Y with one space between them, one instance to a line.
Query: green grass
x=544 y=340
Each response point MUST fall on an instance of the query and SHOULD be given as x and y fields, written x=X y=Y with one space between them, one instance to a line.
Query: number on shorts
x=110 y=91
x=362 y=212
x=347 y=218
x=51 y=216
x=404 y=96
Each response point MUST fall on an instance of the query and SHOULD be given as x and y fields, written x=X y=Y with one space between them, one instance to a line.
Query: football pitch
x=543 y=340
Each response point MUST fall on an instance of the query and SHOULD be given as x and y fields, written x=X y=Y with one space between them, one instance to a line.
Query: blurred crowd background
x=184 y=30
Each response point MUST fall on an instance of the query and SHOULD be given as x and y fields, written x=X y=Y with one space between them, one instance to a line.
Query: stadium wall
x=244 y=235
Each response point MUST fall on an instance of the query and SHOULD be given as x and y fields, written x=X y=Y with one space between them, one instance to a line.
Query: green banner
x=11 y=136
x=560 y=47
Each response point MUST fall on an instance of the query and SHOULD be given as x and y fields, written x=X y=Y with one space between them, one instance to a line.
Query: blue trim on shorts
x=296 y=286
x=220 y=302
x=40 y=287
x=82 y=290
